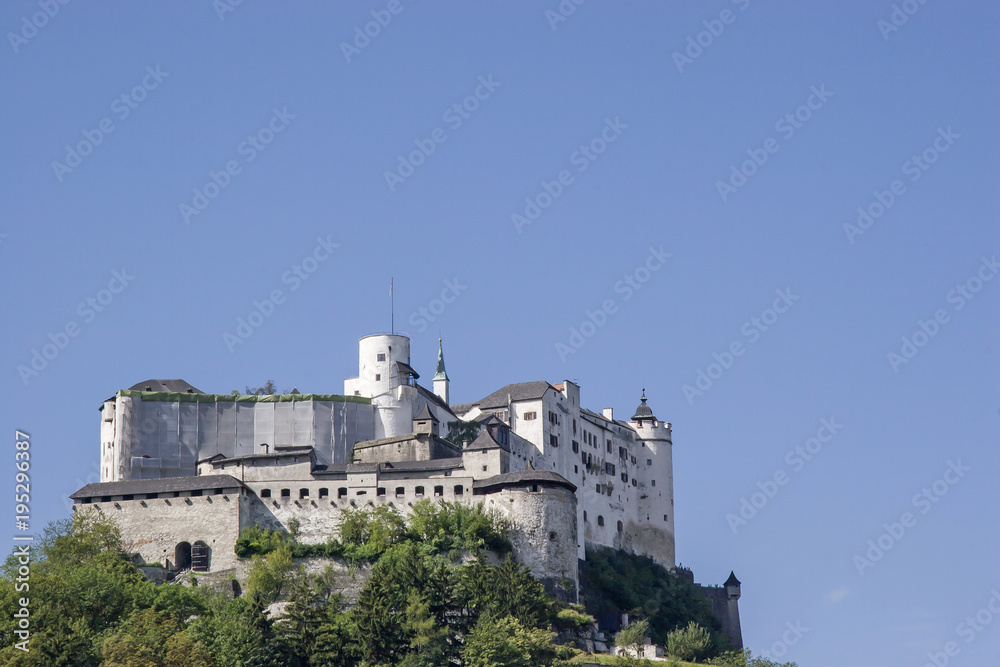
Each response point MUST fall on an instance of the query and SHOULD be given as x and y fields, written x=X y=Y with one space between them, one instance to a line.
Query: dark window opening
x=419 y=491
x=199 y=556
x=303 y=493
x=620 y=526
x=459 y=489
x=380 y=491
x=286 y=493
x=438 y=490
x=265 y=493
x=600 y=520
x=324 y=492
x=341 y=492
x=400 y=490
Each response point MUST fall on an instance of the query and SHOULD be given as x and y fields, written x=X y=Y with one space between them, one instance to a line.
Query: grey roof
x=732 y=580
x=462 y=408
x=425 y=414
x=485 y=441
x=524 y=477
x=175 y=386
x=441 y=373
x=278 y=451
x=520 y=391
x=405 y=368
x=431 y=396
x=160 y=485
x=643 y=411
x=395 y=466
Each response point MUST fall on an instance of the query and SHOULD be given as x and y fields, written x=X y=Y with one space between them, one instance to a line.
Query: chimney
x=609 y=414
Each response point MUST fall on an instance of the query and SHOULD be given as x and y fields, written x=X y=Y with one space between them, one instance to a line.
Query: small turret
x=441 y=381
x=643 y=412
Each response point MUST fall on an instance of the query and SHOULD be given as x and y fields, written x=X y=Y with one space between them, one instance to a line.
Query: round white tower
x=385 y=376
x=656 y=499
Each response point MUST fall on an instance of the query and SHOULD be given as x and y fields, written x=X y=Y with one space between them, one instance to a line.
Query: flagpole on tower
x=392 y=309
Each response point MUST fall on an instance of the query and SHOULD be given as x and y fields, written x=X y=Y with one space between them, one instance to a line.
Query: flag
x=390 y=286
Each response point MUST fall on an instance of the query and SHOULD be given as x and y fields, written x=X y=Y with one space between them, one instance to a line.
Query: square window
x=380 y=357
x=378 y=376
x=653 y=483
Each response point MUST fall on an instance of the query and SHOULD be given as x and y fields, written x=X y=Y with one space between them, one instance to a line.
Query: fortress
x=184 y=471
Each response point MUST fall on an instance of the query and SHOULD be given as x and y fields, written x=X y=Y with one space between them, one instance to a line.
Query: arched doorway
x=182 y=556
x=200 y=556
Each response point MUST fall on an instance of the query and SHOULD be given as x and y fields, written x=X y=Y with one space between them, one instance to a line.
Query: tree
x=273 y=575
x=692 y=643
x=505 y=642
x=462 y=431
x=268 y=389
x=630 y=640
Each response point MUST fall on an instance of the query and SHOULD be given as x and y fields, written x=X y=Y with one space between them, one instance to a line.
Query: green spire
x=441 y=373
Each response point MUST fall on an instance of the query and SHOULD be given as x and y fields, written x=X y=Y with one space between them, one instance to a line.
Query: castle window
x=665 y=517
x=400 y=491
x=419 y=490
x=649 y=462
x=485 y=468
x=576 y=469
x=552 y=536
x=357 y=392
x=303 y=493
x=362 y=493
x=584 y=515
x=378 y=376
x=553 y=439
x=380 y=356
x=600 y=489
x=220 y=491
x=625 y=477
x=286 y=493
x=533 y=488
x=620 y=526
x=576 y=446
x=635 y=482
x=341 y=492
x=380 y=491
x=600 y=520
x=653 y=482
x=528 y=416
x=574 y=427
x=633 y=460
x=150 y=496
x=609 y=447
x=128 y=497
x=459 y=489
x=553 y=418
x=438 y=490
x=622 y=453
x=324 y=492
x=265 y=493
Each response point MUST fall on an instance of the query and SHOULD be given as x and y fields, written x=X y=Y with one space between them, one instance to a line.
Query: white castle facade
x=185 y=471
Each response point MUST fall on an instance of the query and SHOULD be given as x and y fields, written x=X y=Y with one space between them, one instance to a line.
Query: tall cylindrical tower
x=384 y=375
x=656 y=499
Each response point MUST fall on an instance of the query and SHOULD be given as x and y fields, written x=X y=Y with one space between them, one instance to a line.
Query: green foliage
x=614 y=581
x=367 y=534
x=692 y=643
x=745 y=658
x=273 y=575
x=573 y=617
x=446 y=526
x=462 y=431
x=630 y=640
x=505 y=642
x=268 y=389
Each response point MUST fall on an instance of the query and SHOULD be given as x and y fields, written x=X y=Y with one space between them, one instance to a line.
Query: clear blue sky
x=879 y=98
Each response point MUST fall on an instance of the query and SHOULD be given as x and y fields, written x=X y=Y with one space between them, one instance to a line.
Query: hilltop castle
x=184 y=471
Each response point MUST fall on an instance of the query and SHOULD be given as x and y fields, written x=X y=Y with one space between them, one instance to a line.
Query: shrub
x=692 y=643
